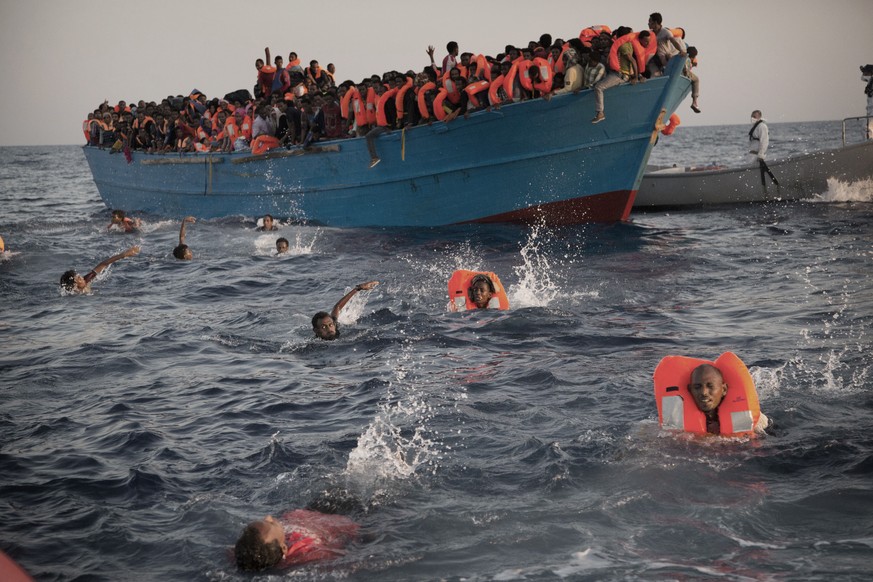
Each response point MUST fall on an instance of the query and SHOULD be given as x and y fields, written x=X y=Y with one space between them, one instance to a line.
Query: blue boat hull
x=529 y=161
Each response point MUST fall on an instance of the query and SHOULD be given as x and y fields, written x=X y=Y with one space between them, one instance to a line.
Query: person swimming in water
x=281 y=246
x=325 y=324
x=297 y=537
x=183 y=251
x=72 y=282
x=120 y=221
x=268 y=223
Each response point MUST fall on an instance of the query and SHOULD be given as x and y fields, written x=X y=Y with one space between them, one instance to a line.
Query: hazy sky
x=797 y=60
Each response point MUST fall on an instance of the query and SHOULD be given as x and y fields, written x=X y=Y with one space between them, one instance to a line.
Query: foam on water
x=838 y=191
x=537 y=275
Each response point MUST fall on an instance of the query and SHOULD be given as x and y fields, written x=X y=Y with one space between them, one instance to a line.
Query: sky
x=796 y=60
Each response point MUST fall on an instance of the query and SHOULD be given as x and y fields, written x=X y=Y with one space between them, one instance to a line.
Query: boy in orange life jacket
x=708 y=389
x=481 y=291
x=325 y=324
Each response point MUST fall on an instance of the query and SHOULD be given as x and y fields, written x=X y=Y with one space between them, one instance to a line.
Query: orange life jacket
x=483 y=69
x=494 y=91
x=509 y=80
x=344 y=102
x=86 y=129
x=372 y=98
x=452 y=93
x=246 y=128
x=674 y=123
x=544 y=84
x=473 y=89
x=643 y=54
x=587 y=34
x=264 y=143
x=401 y=95
x=438 y=110
x=422 y=103
x=459 y=291
x=381 y=120
x=738 y=412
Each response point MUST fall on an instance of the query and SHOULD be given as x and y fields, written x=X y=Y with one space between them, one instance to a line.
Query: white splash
x=838 y=191
x=536 y=286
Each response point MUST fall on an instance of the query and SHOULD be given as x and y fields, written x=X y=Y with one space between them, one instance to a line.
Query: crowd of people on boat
x=295 y=105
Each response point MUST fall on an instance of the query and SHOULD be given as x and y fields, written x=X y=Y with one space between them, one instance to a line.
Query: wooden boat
x=793 y=178
x=536 y=160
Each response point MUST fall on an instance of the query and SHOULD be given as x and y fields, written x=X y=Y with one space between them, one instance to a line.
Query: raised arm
x=134 y=250
x=182 y=230
x=342 y=302
x=269 y=61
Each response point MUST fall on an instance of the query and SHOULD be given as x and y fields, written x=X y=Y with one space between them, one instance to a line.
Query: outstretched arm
x=182 y=230
x=342 y=302
x=134 y=250
x=269 y=61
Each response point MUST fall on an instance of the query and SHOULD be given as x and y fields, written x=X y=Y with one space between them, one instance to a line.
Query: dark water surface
x=142 y=426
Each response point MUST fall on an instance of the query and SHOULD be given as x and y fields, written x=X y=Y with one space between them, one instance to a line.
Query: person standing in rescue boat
x=708 y=388
x=759 y=138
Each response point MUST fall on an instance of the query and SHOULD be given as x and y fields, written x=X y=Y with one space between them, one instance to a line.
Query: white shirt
x=762 y=134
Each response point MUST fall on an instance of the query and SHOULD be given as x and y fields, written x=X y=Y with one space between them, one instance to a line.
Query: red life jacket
x=381 y=120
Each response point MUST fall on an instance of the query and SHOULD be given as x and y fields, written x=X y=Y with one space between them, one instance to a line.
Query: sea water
x=143 y=425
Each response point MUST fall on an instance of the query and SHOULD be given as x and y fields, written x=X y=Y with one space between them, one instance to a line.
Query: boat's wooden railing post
x=867 y=119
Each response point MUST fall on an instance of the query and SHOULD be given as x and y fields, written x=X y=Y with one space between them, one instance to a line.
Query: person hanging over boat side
x=623 y=65
x=182 y=251
x=695 y=81
x=72 y=282
x=668 y=45
x=326 y=325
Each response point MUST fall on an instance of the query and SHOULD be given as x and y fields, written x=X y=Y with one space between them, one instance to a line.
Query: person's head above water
x=707 y=387
x=481 y=290
x=268 y=222
x=281 y=245
x=324 y=326
x=261 y=545
x=183 y=252
x=72 y=281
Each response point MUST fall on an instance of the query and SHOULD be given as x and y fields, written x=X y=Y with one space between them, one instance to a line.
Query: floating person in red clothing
x=297 y=537
x=325 y=324
x=72 y=282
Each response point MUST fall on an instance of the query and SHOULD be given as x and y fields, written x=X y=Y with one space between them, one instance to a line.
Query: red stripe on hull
x=607 y=207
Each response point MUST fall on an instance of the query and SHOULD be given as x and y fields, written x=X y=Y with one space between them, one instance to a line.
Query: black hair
x=644 y=34
x=68 y=280
x=281 y=240
x=480 y=278
x=253 y=554
x=451 y=46
x=179 y=251
x=545 y=39
x=318 y=317
x=656 y=17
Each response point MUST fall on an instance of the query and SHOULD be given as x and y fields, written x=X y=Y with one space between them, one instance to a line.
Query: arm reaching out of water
x=342 y=302
x=182 y=251
x=132 y=251
x=324 y=324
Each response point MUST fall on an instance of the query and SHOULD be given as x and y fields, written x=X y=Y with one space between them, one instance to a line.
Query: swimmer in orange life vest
x=325 y=324
x=73 y=282
x=2 y=245
x=298 y=537
x=720 y=407
x=474 y=290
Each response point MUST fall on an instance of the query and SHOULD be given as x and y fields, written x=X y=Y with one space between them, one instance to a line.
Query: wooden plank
x=185 y=160
x=283 y=153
